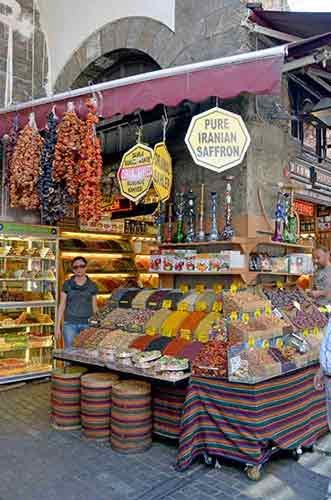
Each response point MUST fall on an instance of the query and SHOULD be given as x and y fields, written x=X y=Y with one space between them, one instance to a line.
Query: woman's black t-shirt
x=79 y=300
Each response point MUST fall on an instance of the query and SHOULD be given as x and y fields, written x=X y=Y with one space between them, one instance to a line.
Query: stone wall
x=203 y=30
x=29 y=51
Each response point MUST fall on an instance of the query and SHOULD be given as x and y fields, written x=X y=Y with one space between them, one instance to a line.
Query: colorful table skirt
x=168 y=404
x=244 y=422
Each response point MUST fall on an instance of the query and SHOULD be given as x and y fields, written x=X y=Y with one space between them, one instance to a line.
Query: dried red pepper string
x=65 y=167
x=90 y=170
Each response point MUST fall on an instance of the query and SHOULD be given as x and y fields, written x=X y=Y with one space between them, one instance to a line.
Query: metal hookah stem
x=201 y=235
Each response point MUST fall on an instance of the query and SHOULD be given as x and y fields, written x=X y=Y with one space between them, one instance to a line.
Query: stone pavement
x=39 y=463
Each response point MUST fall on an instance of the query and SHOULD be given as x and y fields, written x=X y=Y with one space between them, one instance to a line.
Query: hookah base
x=227 y=233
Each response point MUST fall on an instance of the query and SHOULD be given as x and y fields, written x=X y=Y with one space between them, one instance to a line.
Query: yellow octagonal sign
x=217 y=139
x=162 y=171
x=135 y=173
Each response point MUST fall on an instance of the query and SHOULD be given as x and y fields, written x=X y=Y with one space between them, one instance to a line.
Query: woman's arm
x=60 y=314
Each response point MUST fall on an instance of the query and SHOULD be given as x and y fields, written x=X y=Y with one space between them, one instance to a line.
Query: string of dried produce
x=66 y=159
x=10 y=146
x=53 y=196
x=90 y=170
x=25 y=168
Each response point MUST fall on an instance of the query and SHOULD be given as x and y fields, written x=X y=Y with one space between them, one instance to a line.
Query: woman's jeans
x=71 y=330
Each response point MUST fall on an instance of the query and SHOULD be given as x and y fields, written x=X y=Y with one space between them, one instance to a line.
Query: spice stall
x=227 y=316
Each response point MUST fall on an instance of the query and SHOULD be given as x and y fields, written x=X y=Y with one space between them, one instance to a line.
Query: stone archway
x=141 y=34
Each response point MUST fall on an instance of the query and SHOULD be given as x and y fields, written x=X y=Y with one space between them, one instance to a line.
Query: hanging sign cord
x=165 y=122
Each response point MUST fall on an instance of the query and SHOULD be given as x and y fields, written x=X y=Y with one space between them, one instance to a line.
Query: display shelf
x=62 y=355
x=20 y=377
x=209 y=273
x=234 y=241
x=29 y=279
x=25 y=257
x=32 y=303
x=95 y=253
x=23 y=325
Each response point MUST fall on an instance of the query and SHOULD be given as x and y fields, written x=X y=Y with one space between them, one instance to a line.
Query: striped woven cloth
x=243 y=422
x=168 y=404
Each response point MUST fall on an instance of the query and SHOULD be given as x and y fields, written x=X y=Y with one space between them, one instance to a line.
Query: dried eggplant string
x=53 y=198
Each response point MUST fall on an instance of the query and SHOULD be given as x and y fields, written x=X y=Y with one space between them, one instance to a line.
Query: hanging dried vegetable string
x=53 y=198
x=10 y=146
x=90 y=170
x=66 y=169
x=25 y=168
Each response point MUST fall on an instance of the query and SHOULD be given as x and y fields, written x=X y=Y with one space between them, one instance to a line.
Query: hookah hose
x=264 y=212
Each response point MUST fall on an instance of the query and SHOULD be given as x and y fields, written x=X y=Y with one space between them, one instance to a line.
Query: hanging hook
x=217 y=102
x=54 y=112
x=165 y=121
x=140 y=128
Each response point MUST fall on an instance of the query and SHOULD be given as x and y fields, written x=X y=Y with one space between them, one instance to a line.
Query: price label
x=200 y=288
x=268 y=311
x=184 y=288
x=168 y=332
x=201 y=306
x=151 y=331
x=265 y=344
x=166 y=304
x=203 y=337
x=257 y=313
x=218 y=288
x=233 y=289
x=245 y=317
x=185 y=334
x=217 y=307
x=234 y=316
x=306 y=332
x=316 y=331
x=183 y=306
x=279 y=343
x=297 y=305
x=251 y=342
x=235 y=363
x=280 y=284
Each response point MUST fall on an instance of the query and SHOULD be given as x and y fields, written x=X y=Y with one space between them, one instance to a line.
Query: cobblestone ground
x=38 y=463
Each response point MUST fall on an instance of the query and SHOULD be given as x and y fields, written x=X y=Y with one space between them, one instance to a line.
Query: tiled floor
x=39 y=463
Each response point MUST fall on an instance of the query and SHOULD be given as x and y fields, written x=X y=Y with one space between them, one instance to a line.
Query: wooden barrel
x=96 y=404
x=65 y=398
x=131 y=417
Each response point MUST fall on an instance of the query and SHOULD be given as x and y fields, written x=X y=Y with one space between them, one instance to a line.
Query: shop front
x=201 y=326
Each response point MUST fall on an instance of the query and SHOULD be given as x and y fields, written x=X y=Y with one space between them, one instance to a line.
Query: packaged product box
x=202 y=263
x=155 y=263
x=179 y=260
x=300 y=263
x=237 y=259
x=168 y=262
x=280 y=264
x=219 y=262
x=190 y=261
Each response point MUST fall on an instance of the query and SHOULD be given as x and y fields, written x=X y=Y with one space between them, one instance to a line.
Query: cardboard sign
x=162 y=171
x=217 y=139
x=135 y=173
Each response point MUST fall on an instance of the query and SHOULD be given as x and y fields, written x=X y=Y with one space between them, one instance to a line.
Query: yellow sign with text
x=162 y=171
x=135 y=173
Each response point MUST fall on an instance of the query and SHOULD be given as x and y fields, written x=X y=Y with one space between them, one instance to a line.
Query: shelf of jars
x=28 y=298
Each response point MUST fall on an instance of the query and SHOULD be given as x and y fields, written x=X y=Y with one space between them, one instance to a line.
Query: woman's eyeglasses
x=79 y=266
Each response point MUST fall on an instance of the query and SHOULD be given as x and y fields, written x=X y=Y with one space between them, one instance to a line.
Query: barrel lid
x=99 y=379
x=132 y=387
x=69 y=372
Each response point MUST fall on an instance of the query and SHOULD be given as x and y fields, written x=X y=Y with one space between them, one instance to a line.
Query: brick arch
x=140 y=33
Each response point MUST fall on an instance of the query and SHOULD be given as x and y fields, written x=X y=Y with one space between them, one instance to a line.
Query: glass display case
x=28 y=298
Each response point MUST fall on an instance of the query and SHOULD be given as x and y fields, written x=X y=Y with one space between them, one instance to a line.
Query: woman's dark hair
x=78 y=258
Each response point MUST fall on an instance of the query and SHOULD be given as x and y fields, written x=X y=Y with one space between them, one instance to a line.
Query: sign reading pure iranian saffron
x=217 y=139
x=135 y=173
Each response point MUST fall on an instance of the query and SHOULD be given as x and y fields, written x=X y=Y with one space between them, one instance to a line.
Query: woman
x=77 y=304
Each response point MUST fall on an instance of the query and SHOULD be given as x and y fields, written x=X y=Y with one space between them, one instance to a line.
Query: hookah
x=160 y=220
x=180 y=208
x=228 y=230
x=214 y=234
x=169 y=227
x=191 y=215
x=201 y=233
